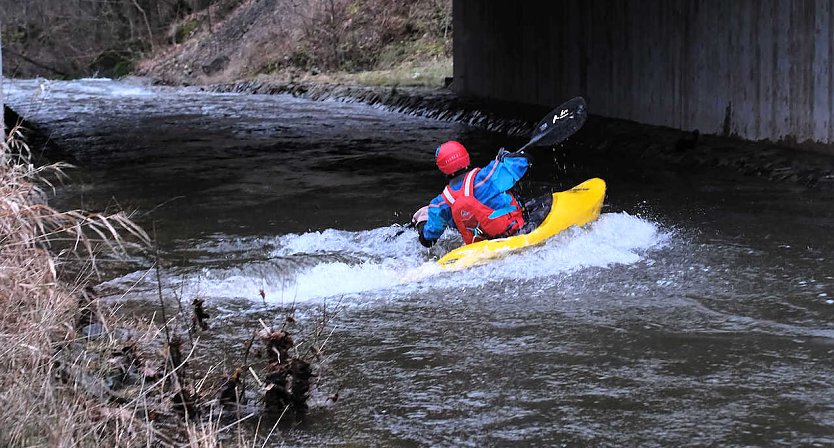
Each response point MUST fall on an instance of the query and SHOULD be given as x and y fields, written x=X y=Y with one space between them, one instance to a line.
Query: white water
x=40 y=90
x=370 y=264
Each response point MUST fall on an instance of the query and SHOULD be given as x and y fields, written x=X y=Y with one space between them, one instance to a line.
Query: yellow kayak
x=575 y=207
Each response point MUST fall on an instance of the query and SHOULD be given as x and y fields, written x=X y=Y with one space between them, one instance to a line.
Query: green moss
x=301 y=58
x=123 y=68
x=114 y=63
x=186 y=30
x=15 y=34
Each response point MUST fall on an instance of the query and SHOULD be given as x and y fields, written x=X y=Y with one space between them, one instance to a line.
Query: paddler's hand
x=421 y=215
x=503 y=154
x=419 y=221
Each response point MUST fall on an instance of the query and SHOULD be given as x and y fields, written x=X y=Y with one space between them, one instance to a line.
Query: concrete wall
x=758 y=69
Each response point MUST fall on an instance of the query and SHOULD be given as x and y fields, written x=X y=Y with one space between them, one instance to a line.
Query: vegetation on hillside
x=294 y=39
x=194 y=41
x=73 y=38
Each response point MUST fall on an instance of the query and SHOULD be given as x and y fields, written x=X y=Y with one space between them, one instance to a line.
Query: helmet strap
x=457 y=173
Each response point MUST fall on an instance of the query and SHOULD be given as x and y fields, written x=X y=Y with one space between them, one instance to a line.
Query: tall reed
x=75 y=374
x=44 y=400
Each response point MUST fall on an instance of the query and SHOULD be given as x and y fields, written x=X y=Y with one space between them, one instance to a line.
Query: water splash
x=383 y=262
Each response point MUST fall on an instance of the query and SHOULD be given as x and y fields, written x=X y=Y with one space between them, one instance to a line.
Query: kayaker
x=477 y=201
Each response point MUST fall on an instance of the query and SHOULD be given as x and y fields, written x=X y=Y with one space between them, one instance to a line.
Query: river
x=695 y=312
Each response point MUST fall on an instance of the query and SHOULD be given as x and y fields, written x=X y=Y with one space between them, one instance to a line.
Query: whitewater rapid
x=382 y=262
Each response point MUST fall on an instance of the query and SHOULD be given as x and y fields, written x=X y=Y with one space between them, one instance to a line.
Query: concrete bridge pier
x=755 y=69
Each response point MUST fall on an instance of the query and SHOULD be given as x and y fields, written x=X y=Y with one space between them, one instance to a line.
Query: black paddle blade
x=560 y=123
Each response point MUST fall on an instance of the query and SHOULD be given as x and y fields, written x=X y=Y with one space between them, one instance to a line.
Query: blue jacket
x=491 y=185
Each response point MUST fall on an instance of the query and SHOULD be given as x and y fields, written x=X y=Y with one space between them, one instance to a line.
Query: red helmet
x=451 y=157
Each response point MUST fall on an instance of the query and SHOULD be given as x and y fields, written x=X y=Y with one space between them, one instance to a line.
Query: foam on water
x=376 y=263
x=34 y=91
x=616 y=238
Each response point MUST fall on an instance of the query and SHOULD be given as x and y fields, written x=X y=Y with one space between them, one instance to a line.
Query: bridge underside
x=756 y=69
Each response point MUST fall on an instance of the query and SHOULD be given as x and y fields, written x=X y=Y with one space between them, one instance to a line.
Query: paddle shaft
x=405 y=227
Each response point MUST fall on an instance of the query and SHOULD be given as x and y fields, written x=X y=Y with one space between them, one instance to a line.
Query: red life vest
x=472 y=217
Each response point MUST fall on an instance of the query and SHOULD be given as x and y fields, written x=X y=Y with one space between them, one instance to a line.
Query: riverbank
x=58 y=354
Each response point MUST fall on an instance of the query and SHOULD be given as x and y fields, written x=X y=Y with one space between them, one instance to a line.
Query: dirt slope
x=291 y=38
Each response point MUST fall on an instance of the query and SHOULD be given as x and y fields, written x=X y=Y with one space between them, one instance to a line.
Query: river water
x=695 y=312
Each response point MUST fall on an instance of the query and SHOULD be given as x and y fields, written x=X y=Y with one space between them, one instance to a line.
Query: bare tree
x=2 y=97
x=147 y=24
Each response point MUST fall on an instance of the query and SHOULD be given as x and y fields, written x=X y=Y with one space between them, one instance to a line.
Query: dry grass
x=76 y=374
x=56 y=385
x=41 y=402
x=430 y=74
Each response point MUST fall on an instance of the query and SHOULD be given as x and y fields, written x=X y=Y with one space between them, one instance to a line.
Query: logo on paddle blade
x=562 y=114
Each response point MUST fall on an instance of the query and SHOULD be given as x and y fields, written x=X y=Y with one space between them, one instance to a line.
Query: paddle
x=559 y=124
